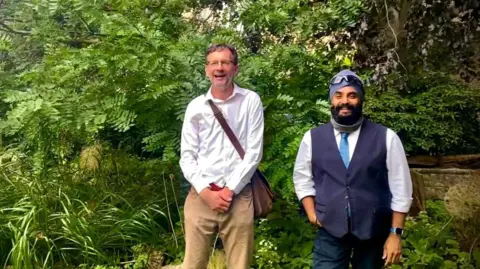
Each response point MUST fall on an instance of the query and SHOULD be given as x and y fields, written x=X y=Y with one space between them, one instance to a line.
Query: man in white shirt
x=220 y=200
x=353 y=180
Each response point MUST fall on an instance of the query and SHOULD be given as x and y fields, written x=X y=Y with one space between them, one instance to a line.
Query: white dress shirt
x=207 y=154
x=399 y=178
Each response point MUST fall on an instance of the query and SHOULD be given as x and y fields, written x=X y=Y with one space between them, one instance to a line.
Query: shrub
x=70 y=216
x=430 y=242
x=463 y=203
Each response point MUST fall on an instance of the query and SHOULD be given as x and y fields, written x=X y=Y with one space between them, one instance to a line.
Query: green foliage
x=430 y=242
x=75 y=216
x=77 y=73
x=103 y=72
x=285 y=239
x=141 y=257
x=438 y=115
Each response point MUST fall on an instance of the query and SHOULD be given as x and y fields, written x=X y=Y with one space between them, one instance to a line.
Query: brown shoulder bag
x=262 y=194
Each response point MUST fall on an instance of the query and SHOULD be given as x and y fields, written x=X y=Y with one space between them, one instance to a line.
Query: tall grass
x=73 y=215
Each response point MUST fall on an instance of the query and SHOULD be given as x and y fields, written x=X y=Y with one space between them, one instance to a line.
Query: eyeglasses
x=348 y=78
x=222 y=63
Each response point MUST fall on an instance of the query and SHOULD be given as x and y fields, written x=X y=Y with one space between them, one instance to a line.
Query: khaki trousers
x=235 y=228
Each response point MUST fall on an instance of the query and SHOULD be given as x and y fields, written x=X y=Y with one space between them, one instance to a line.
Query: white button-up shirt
x=399 y=178
x=207 y=154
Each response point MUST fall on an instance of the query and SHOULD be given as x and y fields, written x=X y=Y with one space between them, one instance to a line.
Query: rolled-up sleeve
x=189 y=147
x=399 y=178
x=302 y=172
x=243 y=172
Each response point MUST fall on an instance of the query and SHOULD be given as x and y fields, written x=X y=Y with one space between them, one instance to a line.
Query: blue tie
x=344 y=149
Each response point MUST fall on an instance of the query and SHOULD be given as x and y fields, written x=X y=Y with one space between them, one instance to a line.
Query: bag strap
x=218 y=114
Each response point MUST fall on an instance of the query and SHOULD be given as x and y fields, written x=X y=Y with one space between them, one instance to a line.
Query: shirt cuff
x=402 y=206
x=237 y=183
x=236 y=188
x=199 y=184
x=303 y=194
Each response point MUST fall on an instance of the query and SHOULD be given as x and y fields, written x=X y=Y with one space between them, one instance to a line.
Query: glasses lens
x=338 y=79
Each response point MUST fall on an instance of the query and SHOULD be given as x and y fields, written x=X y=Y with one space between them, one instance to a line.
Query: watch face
x=398 y=231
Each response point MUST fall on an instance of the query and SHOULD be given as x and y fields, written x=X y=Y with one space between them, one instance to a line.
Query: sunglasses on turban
x=348 y=78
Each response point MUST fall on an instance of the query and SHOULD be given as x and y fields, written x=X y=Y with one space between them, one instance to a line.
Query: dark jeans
x=336 y=253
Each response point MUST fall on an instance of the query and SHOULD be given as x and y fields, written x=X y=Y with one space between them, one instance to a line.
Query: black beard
x=356 y=114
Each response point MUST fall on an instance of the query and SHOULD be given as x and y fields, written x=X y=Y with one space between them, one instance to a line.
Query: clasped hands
x=219 y=201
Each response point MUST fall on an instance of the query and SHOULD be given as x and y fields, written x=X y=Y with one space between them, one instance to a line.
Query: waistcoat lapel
x=359 y=149
x=333 y=147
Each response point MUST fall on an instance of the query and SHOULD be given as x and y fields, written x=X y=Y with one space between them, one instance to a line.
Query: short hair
x=219 y=47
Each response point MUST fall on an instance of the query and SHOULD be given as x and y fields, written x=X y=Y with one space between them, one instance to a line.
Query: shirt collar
x=337 y=133
x=236 y=90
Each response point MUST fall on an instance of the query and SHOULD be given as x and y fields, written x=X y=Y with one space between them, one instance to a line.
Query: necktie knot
x=345 y=135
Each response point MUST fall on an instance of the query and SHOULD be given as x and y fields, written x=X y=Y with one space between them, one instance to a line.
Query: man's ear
x=236 y=69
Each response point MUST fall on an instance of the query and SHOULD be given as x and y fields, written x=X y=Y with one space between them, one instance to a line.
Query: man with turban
x=353 y=180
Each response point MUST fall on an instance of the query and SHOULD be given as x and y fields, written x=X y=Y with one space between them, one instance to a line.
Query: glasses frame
x=348 y=78
x=222 y=63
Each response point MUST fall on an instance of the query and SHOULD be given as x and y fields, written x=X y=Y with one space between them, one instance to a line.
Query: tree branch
x=7 y=28
x=405 y=6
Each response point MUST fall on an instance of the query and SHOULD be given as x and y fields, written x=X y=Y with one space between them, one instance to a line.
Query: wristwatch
x=397 y=231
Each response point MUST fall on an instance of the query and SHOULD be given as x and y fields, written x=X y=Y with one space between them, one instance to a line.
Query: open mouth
x=345 y=111
x=220 y=76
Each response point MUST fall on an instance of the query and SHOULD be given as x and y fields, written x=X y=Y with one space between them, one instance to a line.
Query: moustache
x=342 y=106
x=356 y=113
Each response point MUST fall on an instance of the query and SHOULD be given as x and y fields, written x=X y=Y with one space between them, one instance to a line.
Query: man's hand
x=309 y=205
x=227 y=194
x=392 y=250
x=215 y=200
x=313 y=220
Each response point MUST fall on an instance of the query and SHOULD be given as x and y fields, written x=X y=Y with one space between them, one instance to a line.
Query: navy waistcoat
x=363 y=187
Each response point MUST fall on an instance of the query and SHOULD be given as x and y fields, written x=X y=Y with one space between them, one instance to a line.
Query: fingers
x=384 y=254
x=224 y=205
x=225 y=197
x=392 y=257
x=388 y=258
x=221 y=209
x=221 y=206
x=396 y=257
